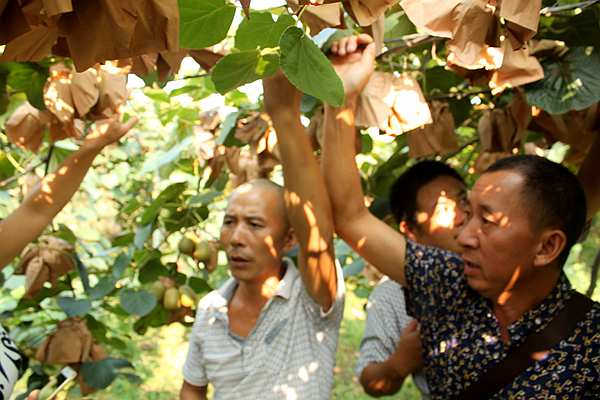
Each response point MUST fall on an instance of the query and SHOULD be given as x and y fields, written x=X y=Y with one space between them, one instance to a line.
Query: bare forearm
x=339 y=167
x=308 y=208
x=42 y=205
x=191 y=392
x=588 y=176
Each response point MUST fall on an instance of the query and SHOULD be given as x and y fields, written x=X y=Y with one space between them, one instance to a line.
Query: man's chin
x=480 y=287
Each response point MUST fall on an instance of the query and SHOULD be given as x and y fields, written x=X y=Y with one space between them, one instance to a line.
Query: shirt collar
x=540 y=316
x=284 y=288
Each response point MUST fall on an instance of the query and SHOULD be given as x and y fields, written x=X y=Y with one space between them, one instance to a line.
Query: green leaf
x=137 y=302
x=103 y=288
x=170 y=193
x=227 y=137
x=121 y=263
x=162 y=158
x=159 y=316
x=260 y=31
x=440 y=80
x=308 y=69
x=203 y=22
x=74 y=307
x=199 y=285
x=100 y=374
x=239 y=68
x=29 y=78
x=570 y=83
x=151 y=271
x=141 y=235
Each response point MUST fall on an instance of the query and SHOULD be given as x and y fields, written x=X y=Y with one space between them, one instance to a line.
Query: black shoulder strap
x=517 y=361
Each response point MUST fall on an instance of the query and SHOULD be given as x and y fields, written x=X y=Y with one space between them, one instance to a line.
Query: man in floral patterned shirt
x=526 y=213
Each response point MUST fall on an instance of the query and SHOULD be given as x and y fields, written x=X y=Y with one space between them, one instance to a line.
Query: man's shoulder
x=387 y=288
x=218 y=297
x=388 y=299
x=419 y=251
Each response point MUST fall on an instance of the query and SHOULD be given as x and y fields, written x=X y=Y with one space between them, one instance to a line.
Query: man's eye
x=255 y=225
x=227 y=222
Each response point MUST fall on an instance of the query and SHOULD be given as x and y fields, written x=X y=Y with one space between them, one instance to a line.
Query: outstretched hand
x=105 y=132
x=353 y=59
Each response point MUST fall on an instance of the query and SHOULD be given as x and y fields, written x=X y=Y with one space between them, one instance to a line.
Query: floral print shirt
x=461 y=337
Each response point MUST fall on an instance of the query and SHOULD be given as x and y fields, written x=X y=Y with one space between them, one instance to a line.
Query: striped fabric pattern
x=290 y=353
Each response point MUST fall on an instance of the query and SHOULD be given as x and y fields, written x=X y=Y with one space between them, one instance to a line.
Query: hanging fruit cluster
x=44 y=262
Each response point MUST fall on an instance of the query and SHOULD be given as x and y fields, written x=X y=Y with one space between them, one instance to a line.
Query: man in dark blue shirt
x=526 y=213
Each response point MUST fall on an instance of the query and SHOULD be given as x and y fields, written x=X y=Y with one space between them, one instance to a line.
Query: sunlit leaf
x=204 y=22
x=308 y=68
x=570 y=83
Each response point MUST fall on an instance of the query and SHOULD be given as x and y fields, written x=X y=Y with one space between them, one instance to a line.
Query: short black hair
x=554 y=196
x=403 y=193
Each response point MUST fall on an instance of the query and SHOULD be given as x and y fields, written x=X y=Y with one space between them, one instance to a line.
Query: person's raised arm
x=307 y=203
x=54 y=191
x=374 y=240
x=589 y=177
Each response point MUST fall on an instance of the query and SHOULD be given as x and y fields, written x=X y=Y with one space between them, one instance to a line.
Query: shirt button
x=538 y=321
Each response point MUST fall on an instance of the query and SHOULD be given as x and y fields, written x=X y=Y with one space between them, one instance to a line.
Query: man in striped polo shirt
x=270 y=332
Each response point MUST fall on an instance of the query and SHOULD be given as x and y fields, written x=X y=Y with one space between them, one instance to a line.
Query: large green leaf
x=137 y=302
x=260 y=31
x=74 y=307
x=204 y=22
x=238 y=68
x=29 y=78
x=100 y=374
x=570 y=83
x=308 y=68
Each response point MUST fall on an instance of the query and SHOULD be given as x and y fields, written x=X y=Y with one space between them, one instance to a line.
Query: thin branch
x=25 y=172
x=568 y=7
x=458 y=95
x=48 y=158
x=410 y=43
x=191 y=76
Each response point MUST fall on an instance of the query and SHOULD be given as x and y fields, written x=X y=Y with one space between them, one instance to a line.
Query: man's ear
x=289 y=241
x=552 y=243
x=407 y=231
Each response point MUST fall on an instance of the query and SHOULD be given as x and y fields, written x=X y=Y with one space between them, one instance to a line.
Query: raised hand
x=353 y=59
x=105 y=132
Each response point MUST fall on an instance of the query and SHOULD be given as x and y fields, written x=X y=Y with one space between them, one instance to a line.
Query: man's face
x=440 y=213
x=254 y=233
x=498 y=240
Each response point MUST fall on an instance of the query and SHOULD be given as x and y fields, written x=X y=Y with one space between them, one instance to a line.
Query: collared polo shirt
x=289 y=354
x=461 y=337
x=386 y=319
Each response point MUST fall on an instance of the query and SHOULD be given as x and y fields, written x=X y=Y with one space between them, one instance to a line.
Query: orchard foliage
x=144 y=225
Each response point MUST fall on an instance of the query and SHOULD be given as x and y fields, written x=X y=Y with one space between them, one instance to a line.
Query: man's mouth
x=238 y=260
x=470 y=268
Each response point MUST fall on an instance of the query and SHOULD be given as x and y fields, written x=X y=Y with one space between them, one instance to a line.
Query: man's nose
x=466 y=236
x=237 y=236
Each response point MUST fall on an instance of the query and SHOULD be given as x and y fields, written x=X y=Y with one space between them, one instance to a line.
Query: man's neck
x=257 y=291
x=524 y=296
